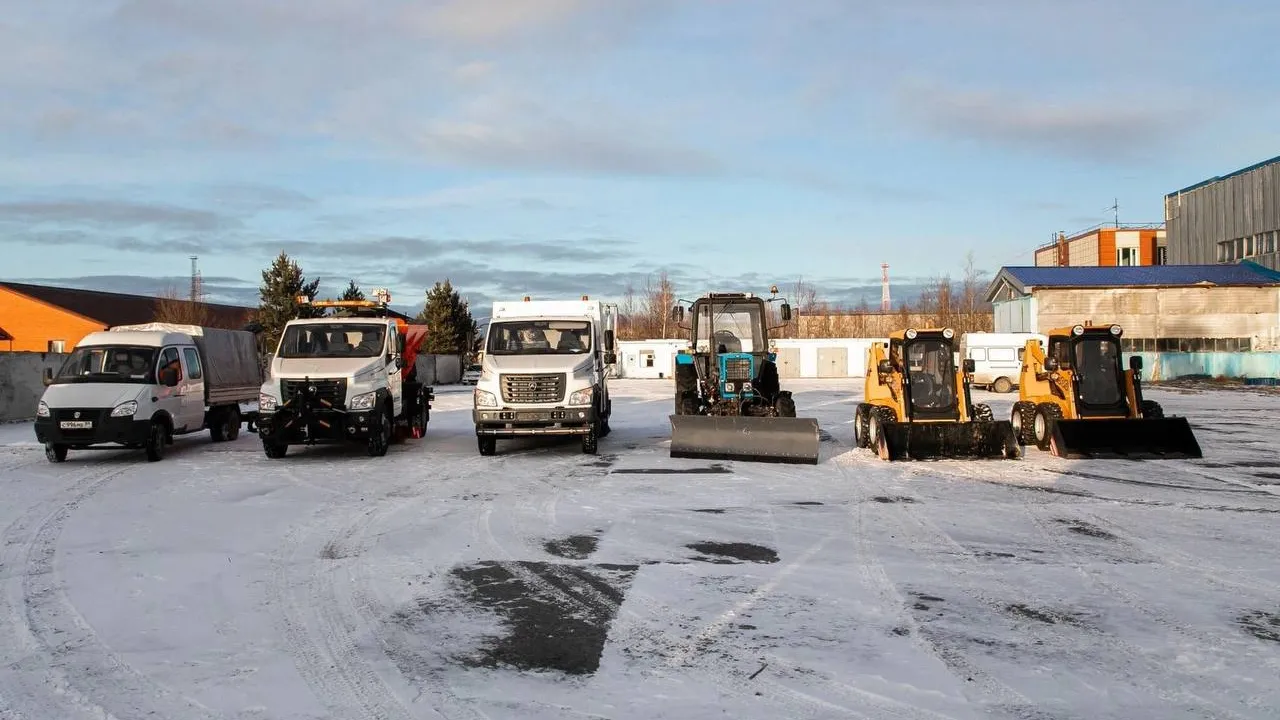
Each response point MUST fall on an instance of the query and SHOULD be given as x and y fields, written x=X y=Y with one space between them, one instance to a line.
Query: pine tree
x=353 y=292
x=448 y=318
x=282 y=283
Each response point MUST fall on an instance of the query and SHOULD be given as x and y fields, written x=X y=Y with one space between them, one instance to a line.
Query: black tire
x=1023 y=418
x=275 y=451
x=55 y=453
x=380 y=437
x=218 y=426
x=686 y=385
x=881 y=416
x=1046 y=414
x=862 y=425
x=786 y=406
x=687 y=405
x=982 y=413
x=1002 y=385
x=590 y=441
x=421 y=418
x=1152 y=409
x=488 y=444
x=232 y=423
x=157 y=437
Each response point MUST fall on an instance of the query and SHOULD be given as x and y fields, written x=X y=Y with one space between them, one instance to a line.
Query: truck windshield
x=734 y=327
x=1097 y=366
x=932 y=374
x=539 y=337
x=109 y=363
x=333 y=340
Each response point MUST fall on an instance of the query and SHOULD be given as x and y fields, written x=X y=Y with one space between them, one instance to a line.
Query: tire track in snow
x=65 y=649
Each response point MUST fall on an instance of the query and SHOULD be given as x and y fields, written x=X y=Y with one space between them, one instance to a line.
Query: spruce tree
x=353 y=292
x=282 y=283
x=449 y=321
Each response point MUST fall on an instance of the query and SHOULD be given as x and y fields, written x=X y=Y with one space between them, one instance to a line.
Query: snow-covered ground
x=542 y=583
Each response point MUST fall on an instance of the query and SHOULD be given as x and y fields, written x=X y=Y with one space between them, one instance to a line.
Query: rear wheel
x=1023 y=418
x=232 y=423
x=861 y=425
x=1152 y=409
x=1002 y=385
x=687 y=405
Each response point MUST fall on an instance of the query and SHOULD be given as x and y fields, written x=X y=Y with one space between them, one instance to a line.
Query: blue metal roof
x=1245 y=273
x=1219 y=178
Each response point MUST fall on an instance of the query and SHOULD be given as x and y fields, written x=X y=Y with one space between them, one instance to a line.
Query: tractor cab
x=1092 y=356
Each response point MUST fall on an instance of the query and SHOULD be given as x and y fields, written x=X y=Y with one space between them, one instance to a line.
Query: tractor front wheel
x=786 y=406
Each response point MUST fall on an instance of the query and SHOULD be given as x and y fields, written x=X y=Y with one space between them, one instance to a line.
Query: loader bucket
x=934 y=441
x=754 y=439
x=1134 y=438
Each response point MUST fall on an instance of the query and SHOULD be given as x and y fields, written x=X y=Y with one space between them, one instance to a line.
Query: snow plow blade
x=933 y=441
x=1132 y=438
x=753 y=439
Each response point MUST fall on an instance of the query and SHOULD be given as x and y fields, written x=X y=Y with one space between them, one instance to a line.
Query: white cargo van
x=545 y=371
x=997 y=357
x=138 y=386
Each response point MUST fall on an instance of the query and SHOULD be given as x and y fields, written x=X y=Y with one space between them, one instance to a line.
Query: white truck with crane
x=545 y=372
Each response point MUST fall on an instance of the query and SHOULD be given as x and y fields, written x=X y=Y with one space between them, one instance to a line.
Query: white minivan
x=997 y=357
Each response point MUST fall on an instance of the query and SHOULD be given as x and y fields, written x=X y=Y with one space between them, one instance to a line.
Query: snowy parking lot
x=544 y=583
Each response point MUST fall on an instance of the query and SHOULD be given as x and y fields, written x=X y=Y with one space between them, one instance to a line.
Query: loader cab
x=1092 y=354
x=927 y=358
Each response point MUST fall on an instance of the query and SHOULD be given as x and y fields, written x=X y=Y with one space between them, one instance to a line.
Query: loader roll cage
x=929 y=373
x=1094 y=359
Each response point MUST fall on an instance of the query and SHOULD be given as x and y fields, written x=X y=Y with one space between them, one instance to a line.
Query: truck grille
x=95 y=415
x=533 y=388
x=737 y=369
x=332 y=391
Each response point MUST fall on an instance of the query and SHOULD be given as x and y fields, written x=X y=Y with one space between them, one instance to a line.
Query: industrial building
x=1162 y=308
x=41 y=318
x=655 y=359
x=1227 y=219
x=1104 y=245
x=797 y=358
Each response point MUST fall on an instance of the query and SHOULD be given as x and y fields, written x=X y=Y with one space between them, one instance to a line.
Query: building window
x=1127 y=256
x=1162 y=256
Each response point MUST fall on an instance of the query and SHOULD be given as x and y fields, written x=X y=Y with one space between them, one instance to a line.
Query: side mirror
x=168 y=377
x=48 y=376
x=969 y=365
x=1135 y=362
x=608 y=341
x=885 y=367
x=610 y=358
x=786 y=312
x=677 y=313
x=1050 y=364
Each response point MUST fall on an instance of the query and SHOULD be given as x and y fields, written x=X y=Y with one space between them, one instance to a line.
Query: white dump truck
x=545 y=371
x=348 y=377
x=138 y=386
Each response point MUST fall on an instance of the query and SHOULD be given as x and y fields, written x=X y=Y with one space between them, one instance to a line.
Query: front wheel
x=786 y=407
x=274 y=450
x=380 y=436
x=590 y=441
x=1152 y=409
x=55 y=453
x=488 y=444
x=156 y=438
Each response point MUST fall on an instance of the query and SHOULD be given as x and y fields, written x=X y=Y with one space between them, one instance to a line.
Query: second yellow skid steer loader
x=917 y=405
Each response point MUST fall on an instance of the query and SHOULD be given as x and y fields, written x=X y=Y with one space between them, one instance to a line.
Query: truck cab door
x=170 y=390
x=394 y=362
x=193 y=385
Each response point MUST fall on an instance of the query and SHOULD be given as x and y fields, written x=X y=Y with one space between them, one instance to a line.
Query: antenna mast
x=884 y=288
x=197 y=286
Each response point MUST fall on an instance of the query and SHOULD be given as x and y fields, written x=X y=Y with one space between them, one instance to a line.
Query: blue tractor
x=729 y=403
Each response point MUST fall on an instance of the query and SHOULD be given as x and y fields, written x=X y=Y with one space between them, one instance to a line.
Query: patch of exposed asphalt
x=1262 y=625
x=710 y=470
x=712 y=511
x=1051 y=617
x=892 y=499
x=808 y=502
x=574 y=547
x=731 y=553
x=558 y=622
x=1084 y=528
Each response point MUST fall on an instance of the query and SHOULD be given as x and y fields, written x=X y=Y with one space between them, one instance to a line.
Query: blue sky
x=558 y=147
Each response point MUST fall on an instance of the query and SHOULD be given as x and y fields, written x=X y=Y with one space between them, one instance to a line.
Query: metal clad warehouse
x=1188 y=308
x=1227 y=219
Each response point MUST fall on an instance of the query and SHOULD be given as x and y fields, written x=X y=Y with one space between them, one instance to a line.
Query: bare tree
x=627 y=313
x=658 y=299
x=173 y=308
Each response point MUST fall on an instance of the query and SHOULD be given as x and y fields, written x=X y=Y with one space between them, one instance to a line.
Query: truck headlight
x=42 y=410
x=582 y=397
x=484 y=398
x=267 y=403
x=125 y=409
x=363 y=401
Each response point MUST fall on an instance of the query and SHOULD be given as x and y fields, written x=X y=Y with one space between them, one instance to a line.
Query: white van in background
x=997 y=357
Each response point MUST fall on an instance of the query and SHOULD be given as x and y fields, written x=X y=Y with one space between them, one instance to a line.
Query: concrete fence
x=21 y=383
x=1157 y=366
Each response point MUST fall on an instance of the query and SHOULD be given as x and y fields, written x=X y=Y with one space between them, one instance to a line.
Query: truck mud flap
x=938 y=441
x=1130 y=438
x=753 y=439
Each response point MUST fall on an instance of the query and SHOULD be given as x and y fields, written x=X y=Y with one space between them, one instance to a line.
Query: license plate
x=75 y=424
